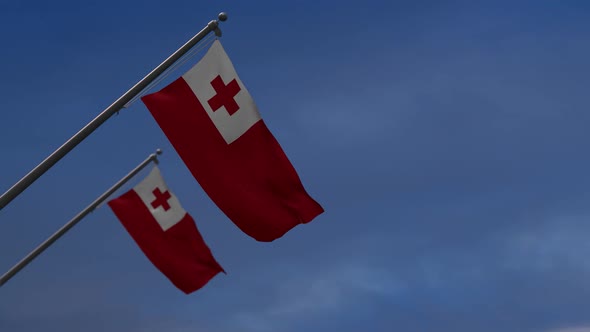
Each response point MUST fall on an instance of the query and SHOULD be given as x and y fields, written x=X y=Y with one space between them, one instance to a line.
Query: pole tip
x=222 y=16
x=158 y=151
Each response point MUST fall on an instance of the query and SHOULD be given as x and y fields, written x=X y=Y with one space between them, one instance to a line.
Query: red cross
x=161 y=199
x=225 y=95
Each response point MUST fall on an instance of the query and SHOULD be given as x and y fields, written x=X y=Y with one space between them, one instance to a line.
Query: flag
x=166 y=233
x=211 y=120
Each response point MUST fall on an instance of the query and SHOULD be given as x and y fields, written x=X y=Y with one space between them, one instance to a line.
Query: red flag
x=166 y=233
x=214 y=125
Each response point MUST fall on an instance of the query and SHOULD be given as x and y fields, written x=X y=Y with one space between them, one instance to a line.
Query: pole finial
x=154 y=156
x=222 y=16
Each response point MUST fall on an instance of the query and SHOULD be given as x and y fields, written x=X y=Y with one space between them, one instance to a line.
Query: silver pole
x=46 y=164
x=20 y=265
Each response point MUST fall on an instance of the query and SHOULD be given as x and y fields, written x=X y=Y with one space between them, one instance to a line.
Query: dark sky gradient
x=447 y=141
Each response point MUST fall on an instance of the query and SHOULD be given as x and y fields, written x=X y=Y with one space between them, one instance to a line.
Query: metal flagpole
x=46 y=164
x=20 y=265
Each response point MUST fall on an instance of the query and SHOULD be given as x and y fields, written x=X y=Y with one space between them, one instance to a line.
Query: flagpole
x=27 y=180
x=33 y=254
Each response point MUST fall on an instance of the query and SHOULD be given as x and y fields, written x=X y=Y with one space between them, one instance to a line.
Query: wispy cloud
x=559 y=242
x=327 y=291
x=572 y=329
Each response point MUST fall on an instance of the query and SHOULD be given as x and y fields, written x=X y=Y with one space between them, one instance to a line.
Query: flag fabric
x=166 y=233
x=212 y=122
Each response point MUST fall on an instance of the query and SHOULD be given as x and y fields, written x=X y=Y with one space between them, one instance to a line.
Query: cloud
x=561 y=243
x=572 y=329
x=326 y=292
x=332 y=290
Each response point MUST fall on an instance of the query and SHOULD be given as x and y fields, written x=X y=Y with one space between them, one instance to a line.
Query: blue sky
x=446 y=140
